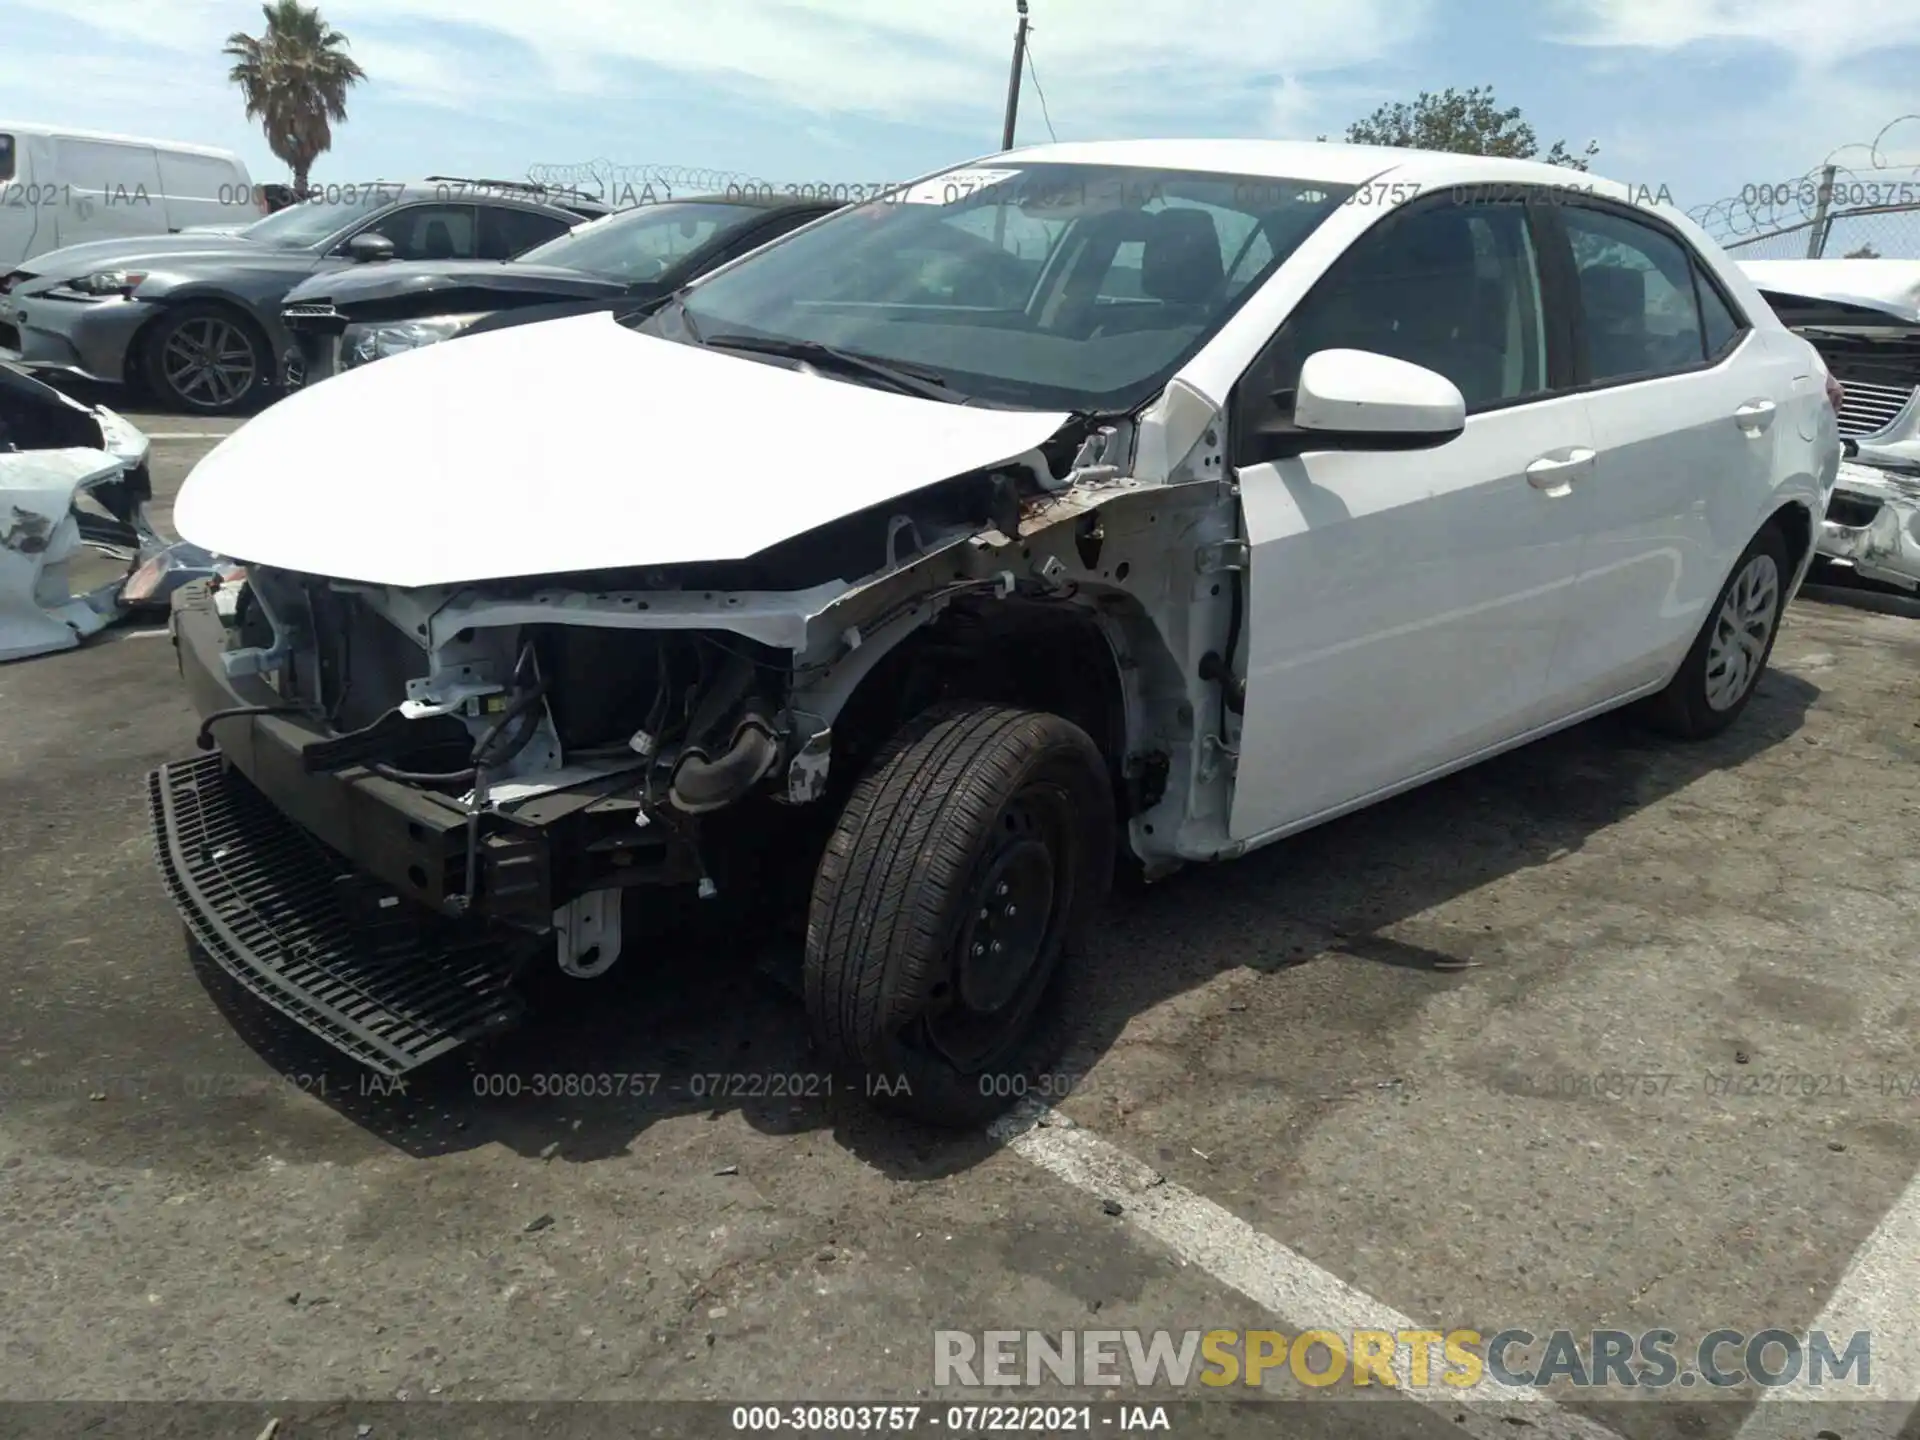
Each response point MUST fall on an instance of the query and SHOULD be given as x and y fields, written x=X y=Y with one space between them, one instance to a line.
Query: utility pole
x=1823 y=203
x=1013 y=80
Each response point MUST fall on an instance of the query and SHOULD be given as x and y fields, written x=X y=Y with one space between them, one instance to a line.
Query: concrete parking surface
x=1609 y=1032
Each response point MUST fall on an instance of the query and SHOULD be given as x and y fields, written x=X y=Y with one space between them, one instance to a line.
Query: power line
x=1033 y=71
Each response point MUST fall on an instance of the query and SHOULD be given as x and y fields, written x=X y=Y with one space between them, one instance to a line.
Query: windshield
x=311 y=221
x=1079 y=287
x=645 y=243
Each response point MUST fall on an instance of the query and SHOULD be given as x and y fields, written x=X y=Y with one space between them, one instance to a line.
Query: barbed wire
x=1769 y=207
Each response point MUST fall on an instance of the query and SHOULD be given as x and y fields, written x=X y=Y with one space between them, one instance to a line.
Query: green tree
x=1468 y=122
x=1865 y=252
x=295 y=79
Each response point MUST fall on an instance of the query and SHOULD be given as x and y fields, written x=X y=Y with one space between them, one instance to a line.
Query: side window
x=1636 y=297
x=1719 y=326
x=1453 y=287
x=6 y=157
x=1256 y=254
x=754 y=236
x=1122 y=280
x=429 y=232
x=505 y=232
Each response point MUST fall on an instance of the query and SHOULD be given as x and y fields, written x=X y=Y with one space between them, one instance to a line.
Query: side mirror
x=369 y=245
x=1359 y=400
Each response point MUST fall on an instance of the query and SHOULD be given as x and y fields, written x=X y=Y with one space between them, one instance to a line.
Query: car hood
x=569 y=445
x=1888 y=287
x=394 y=280
x=72 y=260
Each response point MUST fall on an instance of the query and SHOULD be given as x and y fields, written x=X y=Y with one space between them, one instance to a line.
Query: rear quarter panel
x=1806 y=434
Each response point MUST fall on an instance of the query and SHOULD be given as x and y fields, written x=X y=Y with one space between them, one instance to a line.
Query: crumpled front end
x=566 y=767
x=1872 y=524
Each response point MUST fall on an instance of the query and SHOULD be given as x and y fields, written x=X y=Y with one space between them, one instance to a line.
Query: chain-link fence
x=1866 y=210
x=1880 y=232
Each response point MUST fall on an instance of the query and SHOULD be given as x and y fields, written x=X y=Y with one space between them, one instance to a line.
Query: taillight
x=1836 y=394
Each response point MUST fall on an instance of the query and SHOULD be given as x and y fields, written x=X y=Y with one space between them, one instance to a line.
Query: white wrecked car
x=1151 y=500
x=70 y=475
x=1864 y=318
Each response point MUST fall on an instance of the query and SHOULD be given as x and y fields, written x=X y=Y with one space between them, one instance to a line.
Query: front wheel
x=207 y=360
x=1722 y=670
x=966 y=864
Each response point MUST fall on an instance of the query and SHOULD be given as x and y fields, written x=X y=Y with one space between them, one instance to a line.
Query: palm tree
x=295 y=79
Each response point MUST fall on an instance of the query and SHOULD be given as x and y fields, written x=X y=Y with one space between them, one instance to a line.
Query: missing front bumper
x=382 y=980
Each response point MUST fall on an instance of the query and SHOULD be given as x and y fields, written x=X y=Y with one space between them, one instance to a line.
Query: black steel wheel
x=962 y=873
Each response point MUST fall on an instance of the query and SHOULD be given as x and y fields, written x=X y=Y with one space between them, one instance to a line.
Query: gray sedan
x=195 y=317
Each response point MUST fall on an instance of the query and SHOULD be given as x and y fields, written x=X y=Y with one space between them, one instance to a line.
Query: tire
x=1717 y=679
x=968 y=809
x=236 y=384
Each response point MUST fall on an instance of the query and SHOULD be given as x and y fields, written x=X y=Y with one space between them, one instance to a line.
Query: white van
x=62 y=187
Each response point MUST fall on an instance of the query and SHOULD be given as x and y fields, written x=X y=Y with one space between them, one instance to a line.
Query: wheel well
x=1041 y=655
x=1795 y=523
x=136 y=363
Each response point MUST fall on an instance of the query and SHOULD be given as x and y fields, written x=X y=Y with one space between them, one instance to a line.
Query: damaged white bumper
x=39 y=533
x=1873 y=524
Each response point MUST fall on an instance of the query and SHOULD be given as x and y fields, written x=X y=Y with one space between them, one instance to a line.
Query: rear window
x=6 y=157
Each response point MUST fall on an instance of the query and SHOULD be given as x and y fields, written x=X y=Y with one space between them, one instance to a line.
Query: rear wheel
x=206 y=359
x=963 y=869
x=1717 y=679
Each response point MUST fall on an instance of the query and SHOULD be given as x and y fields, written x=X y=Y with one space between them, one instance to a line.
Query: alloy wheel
x=208 y=363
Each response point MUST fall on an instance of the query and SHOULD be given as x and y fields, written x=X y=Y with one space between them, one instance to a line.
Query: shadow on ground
x=710 y=1029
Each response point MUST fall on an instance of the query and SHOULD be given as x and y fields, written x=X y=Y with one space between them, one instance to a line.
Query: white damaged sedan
x=1140 y=502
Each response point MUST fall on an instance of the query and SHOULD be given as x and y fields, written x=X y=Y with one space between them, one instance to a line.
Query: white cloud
x=928 y=61
x=1817 y=32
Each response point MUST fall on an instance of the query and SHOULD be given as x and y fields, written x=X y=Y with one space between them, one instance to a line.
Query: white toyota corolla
x=1145 y=501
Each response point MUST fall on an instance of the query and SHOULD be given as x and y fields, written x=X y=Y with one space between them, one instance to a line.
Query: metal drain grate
x=271 y=906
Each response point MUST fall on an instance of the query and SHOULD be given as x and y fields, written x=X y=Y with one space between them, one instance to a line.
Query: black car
x=345 y=319
x=195 y=317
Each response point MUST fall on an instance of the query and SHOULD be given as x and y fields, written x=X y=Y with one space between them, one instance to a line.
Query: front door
x=1403 y=606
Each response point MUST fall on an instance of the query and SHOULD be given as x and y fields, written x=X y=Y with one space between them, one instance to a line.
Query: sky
x=1705 y=99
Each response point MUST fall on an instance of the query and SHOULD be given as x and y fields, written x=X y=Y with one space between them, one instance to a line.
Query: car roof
x=746 y=200
x=579 y=206
x=182 y=147
x=1314 y=160
x=1891 y=287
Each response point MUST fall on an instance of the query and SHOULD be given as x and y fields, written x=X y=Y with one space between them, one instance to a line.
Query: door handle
x=1556 y=472
x=1755 y=416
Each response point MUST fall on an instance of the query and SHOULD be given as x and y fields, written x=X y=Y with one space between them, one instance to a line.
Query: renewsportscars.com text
x=1406 y=1359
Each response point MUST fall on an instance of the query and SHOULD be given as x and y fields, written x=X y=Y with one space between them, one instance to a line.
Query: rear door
x=114 y=190
x=1404 y=606
x=1686 y=403
x=204 y=190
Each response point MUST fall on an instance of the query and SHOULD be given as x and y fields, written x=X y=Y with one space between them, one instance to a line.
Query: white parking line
x=188 y=434
x=1875 y=1294
x=1297 y=1291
